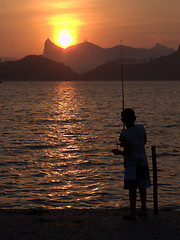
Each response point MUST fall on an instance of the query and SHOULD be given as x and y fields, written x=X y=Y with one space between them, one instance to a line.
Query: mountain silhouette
x=86 y=56
x=162 y=68
x=80 y=57
x=34 y=67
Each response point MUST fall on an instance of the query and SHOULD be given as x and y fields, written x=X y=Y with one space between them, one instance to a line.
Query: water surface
x=56 y=140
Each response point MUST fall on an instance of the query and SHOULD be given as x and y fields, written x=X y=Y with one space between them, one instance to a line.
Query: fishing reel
x=117 y=151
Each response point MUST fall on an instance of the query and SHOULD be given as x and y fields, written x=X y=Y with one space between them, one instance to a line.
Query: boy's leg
x=143 y=194
x=132 y=199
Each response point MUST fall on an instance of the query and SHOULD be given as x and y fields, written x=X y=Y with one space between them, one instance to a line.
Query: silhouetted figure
x=133 y=140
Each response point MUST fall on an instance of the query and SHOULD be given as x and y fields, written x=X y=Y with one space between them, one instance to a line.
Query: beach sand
x=87 y=224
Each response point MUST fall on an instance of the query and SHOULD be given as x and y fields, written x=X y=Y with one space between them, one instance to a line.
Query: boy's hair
x=128 y=115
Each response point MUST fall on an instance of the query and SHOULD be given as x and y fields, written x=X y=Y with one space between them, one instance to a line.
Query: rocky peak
x=50 y=47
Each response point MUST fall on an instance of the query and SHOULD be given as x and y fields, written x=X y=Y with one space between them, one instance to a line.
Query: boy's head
x=128 y=115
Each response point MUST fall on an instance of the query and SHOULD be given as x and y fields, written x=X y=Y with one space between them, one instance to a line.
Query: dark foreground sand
x=72 y=224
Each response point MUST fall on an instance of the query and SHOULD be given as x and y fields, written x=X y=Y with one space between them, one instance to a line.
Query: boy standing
x=133 y=140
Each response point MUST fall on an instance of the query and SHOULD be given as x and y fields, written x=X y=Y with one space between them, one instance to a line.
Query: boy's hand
x=116 y=152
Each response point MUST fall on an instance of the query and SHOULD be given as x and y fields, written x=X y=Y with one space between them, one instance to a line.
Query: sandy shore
x=72 y=224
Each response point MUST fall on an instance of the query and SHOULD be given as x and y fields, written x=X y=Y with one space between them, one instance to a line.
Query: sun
x=65 y=38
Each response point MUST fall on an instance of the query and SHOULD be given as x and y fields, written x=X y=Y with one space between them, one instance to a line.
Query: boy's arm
x=126 y=147
x=125 y=144
x=117 y=152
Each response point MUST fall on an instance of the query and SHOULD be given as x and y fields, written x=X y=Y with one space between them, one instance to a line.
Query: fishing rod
x=122 y=84
x=116 y=151
x=122 y=80
x=122 y=90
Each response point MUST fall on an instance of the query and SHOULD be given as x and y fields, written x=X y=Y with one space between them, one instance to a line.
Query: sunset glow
x=64 y=30
x=65 y=39
x=25 y=25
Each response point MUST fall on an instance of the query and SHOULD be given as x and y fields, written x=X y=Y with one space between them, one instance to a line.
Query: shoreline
x=87 y=224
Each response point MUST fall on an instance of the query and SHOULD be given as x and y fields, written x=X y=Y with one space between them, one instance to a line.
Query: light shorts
x=136 y=175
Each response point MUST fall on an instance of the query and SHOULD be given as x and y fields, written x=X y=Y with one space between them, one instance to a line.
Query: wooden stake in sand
x=155 y=188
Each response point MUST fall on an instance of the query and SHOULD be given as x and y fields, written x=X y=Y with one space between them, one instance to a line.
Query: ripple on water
x=56 y=142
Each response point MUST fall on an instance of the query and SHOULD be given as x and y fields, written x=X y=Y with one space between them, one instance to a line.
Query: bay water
x=56 y=140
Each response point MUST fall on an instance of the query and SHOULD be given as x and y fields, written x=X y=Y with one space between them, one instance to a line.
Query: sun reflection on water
x=68 y=174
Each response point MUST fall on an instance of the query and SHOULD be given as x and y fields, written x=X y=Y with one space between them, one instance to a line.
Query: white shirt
x=135 y=135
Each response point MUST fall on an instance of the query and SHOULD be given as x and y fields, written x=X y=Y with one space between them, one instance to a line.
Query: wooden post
x=155 y=188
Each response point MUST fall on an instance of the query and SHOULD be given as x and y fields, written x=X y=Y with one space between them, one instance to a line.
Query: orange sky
x=25 y=25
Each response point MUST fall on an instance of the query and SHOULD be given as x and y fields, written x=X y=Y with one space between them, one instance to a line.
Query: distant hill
x=34 y=67
x=163 y=68
x=80 y=57
x=86 y=56
x=4 y=59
